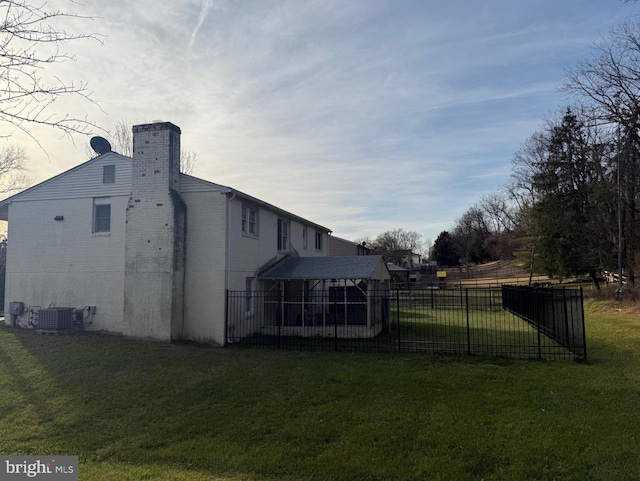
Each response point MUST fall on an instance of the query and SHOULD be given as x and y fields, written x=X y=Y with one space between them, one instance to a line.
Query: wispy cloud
x=362 y=116
x=204 y=11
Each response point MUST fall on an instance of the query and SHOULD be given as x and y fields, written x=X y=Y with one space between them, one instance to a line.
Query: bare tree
x=365 y=241
x=30 y=42
x=397 y=245
x=500 y=211
x=471 y=232
x=13 y=165
x=524 y=165
x=188 y=161
x=121 y=139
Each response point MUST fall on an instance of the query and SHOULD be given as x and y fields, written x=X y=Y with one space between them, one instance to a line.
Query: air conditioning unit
x=57 y=318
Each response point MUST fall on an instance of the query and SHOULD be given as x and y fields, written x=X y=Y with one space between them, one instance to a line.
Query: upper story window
x=283 y=234
x=250 y=220
x=304 y=237
x=318 y=240
x=109 y=174
x=101 y=214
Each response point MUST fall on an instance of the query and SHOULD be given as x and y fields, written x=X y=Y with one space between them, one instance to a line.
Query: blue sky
x=360 y=115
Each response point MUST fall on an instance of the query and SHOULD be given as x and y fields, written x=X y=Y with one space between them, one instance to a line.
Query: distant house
x=343 y=247
x=399 y=276
x=149 y=251
x=408 y=258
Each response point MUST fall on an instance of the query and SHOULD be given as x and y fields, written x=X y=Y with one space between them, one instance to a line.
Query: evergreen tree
x=568 y=227
x=445 y=251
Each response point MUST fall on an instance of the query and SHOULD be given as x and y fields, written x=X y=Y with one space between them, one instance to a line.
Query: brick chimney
x=155 y=235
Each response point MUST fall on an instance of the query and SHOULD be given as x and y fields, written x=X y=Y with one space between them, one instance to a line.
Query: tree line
x=570 y=207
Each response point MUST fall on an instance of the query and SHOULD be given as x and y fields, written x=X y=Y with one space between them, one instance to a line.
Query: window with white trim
x=250 y=220
x=304 y=237
x=101 y=214
x=283 y=234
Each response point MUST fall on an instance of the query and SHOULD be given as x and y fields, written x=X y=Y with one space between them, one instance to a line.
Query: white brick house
x=154 y=250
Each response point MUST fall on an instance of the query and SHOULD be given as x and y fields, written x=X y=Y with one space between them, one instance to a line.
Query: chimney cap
x=156 y=126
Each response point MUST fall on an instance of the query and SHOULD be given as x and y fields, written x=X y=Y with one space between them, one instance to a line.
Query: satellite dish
x=100 y=145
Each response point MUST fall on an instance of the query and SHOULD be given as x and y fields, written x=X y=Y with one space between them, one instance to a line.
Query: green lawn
x=136 y=410
x=481 y=330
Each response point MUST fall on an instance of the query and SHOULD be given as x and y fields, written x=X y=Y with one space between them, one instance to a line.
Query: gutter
x=227 y=263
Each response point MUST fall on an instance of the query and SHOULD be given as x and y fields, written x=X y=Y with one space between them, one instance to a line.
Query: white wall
x=62 y=263
x=205 y=285
x=248 y=254
x=206 y=279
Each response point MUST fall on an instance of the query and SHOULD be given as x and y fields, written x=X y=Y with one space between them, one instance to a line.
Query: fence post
x=584 y=332
x=226 y=319
x=398 y=316
x=335 y=322
x=555 y=328
x=569 y=339
x=466 y=293
x=536 y=320
x=281 y=320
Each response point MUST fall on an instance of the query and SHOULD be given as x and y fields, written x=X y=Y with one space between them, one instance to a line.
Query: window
x=283 y=234
x=250 y=220
x=318 y=241
x=109 y=174
x=304 y=237
x=102 y=214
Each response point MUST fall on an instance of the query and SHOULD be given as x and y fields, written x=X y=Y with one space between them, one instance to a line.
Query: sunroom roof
x=346 y=267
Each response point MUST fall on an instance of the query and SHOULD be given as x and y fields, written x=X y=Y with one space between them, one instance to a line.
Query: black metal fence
x=556 y=313
x=484 y=322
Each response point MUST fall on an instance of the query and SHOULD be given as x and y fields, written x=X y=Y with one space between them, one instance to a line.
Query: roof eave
x=278 y=210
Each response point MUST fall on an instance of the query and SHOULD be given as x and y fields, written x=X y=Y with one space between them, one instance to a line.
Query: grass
x=463 y=321
x=495 y=333
x=141 y=410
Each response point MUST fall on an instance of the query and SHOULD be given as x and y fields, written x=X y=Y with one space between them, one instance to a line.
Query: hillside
x=491 y=273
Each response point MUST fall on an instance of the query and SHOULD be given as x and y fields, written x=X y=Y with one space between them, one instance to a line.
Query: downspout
x=227 y=265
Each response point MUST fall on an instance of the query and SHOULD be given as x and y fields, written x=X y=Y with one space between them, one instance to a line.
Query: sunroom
x=344 y=297
x=340 y=297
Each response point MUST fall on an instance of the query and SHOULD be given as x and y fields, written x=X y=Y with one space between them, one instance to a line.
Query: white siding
x=249 y=254
x=190 y=185
x=84 y=180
